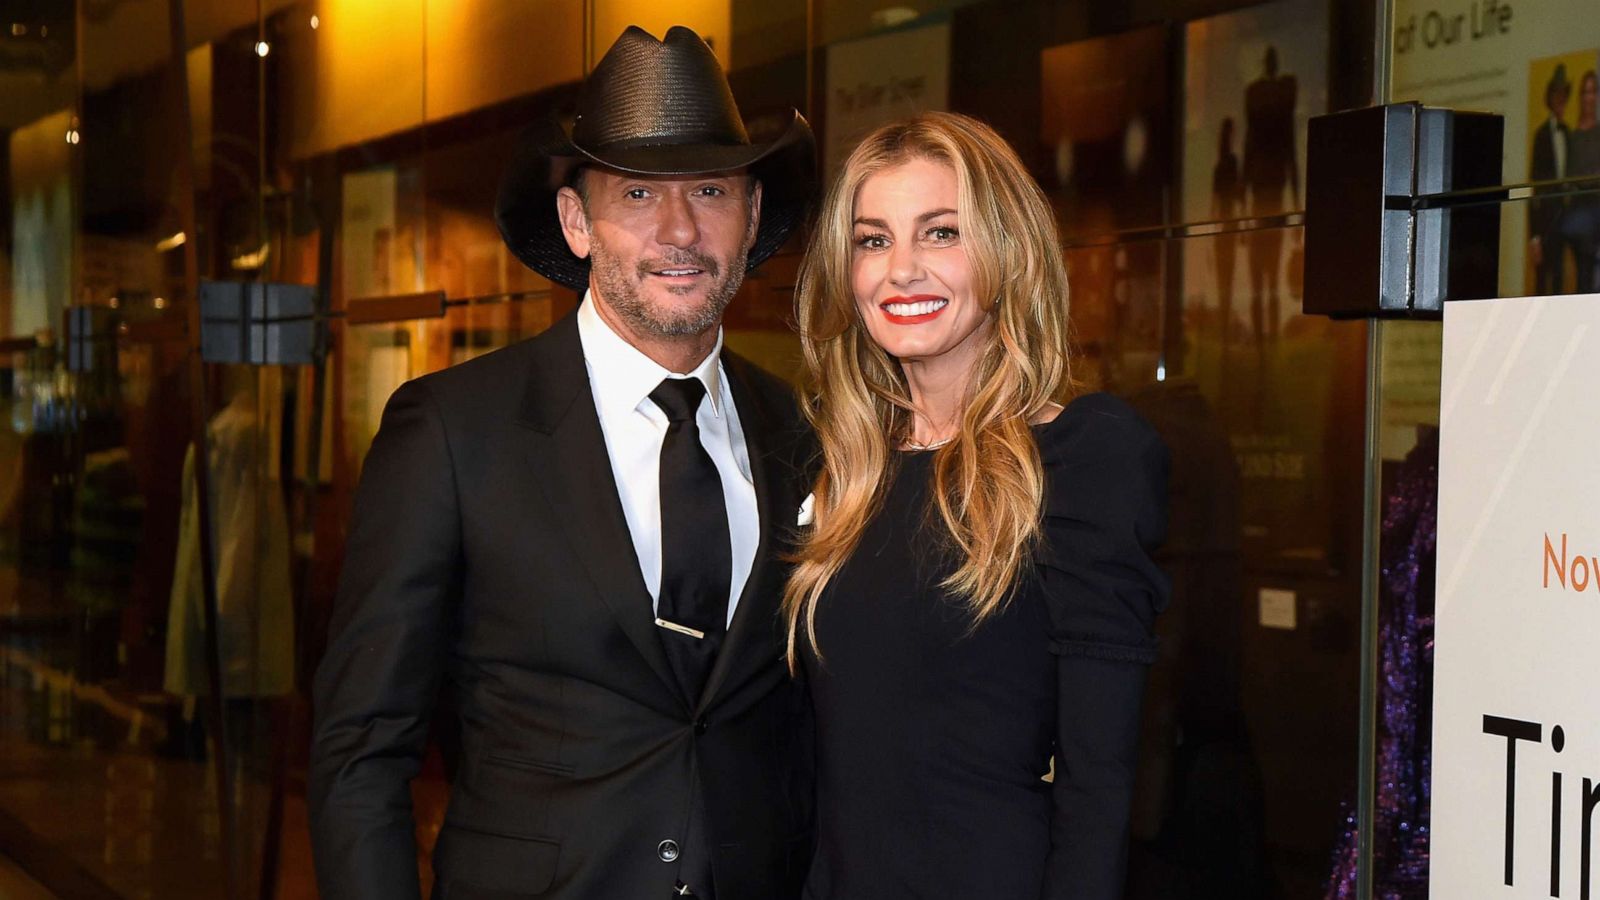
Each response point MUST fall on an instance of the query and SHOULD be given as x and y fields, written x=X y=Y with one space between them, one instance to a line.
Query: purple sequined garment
x=1405 y=689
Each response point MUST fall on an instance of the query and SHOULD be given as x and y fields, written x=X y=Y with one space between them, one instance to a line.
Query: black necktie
x=696 y=551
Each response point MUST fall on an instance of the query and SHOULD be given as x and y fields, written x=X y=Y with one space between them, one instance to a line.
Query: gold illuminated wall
x=430 y=61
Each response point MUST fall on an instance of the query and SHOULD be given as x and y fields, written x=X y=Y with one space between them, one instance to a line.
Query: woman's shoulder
x=1105 y=511
x=1094 y=427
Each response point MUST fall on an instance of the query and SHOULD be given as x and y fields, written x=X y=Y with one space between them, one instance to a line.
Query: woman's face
x=1587 y=96
x=909 y=266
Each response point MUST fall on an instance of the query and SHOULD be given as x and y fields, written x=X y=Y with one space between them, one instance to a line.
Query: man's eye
x=712 y=190
x=637 y=194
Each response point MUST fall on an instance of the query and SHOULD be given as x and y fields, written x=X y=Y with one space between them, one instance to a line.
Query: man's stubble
x=620 y=289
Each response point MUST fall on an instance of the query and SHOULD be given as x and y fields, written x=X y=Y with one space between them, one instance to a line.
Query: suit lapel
x=756 y=614
x=568 y=458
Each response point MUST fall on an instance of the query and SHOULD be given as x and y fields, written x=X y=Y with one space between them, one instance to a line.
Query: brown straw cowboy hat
x=650 y=107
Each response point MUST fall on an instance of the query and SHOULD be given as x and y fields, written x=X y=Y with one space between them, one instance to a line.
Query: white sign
x=1516 y=757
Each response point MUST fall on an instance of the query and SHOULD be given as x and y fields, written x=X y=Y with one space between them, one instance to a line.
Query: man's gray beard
x=620 y=288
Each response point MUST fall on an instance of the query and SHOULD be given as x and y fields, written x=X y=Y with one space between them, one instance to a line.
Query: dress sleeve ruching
x=1104 y=515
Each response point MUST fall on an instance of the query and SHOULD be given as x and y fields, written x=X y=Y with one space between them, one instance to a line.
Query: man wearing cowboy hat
x=580 y=538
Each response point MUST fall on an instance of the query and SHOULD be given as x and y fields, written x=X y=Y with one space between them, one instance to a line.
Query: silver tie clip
x=681 y=629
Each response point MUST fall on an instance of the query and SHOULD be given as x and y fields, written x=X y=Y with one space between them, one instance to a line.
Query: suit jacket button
x=667 y=850
x=701 y=726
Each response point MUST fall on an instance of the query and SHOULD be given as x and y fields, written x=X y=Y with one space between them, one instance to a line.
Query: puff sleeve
x=1104 y=514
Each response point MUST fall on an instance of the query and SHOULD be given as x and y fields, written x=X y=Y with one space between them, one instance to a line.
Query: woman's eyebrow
x=930 y=214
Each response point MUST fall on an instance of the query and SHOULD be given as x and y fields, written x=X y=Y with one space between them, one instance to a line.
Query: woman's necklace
x=931 y=445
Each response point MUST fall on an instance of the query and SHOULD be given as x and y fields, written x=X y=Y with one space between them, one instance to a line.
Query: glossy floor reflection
x=130 y=826
x=143 y=827
x=16 y=884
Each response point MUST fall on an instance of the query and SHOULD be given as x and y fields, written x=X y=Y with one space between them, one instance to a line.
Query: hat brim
x=525 y=208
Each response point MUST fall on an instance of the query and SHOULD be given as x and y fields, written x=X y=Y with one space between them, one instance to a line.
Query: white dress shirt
x=621 y=379
x=1558 y=143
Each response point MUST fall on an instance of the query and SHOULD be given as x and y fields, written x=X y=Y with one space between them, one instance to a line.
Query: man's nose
x=677 y=226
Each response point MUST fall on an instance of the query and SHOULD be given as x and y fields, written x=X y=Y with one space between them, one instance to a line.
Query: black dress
x=932 y=741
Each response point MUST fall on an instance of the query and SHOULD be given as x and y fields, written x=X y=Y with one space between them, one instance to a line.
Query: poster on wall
x=1516 y=729
x=1525 y=62
x=878 y=79
x=1103 y=122
x=1103 y=127
x=1563 y=142
x=378 y=360
x=1252 y=80
x=368 y=225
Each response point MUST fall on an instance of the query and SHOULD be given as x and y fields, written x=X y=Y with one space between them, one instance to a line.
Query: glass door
x=1537 y=70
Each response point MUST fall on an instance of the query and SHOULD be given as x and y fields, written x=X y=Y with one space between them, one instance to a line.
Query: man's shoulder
x=789 y=434
x=506 y=366
x=754 y=375
x=769 y=389
x=498 y=382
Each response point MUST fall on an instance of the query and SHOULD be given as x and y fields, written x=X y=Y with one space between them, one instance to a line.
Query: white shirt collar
x=623 y=377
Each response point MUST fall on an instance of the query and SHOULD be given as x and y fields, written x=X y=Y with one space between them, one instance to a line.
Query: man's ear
x=574 y=221
x=755 y=214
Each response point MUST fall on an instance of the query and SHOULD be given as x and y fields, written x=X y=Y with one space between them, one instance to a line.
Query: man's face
x=667 y=252
x=1558 y=101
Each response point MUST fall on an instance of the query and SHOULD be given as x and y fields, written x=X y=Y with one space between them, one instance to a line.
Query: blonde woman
x=974 y=594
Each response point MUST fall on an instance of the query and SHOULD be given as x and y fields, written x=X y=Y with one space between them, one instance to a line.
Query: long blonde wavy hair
x=987 y=481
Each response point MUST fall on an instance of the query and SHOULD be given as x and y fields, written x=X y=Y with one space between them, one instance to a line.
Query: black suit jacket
x=1546 y=214
x=489 y=555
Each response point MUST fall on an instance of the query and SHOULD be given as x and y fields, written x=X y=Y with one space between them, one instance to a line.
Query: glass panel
x=377 y=359
x=1538 y=75
x=1406 y=412
x=498 y=321
x=103 y=771
x=253 y=560
x=1248 y=761
x=768 y=71
x=361 y=153
x=1263 y=548
x=353 y=71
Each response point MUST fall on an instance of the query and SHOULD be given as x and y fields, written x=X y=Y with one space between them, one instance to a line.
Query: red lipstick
x=913 y=310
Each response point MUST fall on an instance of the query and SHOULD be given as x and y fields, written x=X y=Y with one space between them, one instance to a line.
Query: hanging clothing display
x=1405 y=689
x=251 y=547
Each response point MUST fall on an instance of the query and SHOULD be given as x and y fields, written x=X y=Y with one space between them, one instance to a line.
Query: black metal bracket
x=258 y=323
x=1374 y=247
x=91 y=337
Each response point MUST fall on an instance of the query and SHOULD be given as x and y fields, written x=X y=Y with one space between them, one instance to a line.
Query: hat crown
x=649 y=92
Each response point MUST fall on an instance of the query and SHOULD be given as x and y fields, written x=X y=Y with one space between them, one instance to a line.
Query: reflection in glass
x=1262 y=547
x=360 y=155
x=251 y=553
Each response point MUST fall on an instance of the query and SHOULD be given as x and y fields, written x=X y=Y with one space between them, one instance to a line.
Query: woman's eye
x=943 y=234
x=872 y=242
